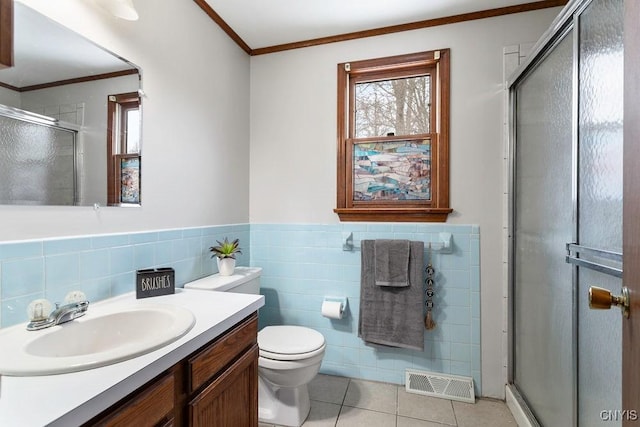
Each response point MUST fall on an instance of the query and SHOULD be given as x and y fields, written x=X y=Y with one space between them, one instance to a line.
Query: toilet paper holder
x=342 y=300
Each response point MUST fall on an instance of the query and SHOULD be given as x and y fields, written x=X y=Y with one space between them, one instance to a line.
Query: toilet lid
x=288 y=340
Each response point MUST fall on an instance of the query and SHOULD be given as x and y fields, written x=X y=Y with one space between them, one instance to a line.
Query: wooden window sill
x=394 y=214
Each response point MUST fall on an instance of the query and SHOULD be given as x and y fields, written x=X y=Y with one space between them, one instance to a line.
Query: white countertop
x=74 y=398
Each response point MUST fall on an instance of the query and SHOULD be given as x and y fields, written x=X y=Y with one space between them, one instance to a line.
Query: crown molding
x=223 y=25
x=453 y=19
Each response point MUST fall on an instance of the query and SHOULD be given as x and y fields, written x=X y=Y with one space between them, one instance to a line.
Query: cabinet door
x=212 y=358
x=232 y=399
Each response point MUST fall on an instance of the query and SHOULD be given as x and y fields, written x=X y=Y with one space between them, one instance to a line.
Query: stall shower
x=566 y=218
x=39 y=159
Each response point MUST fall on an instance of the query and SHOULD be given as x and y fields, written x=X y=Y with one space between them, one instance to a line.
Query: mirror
x=70 y=122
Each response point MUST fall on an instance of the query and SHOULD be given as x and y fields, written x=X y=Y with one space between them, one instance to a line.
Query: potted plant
x=225 y=253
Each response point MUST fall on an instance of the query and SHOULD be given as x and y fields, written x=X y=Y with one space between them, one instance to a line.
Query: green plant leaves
x=226 y=249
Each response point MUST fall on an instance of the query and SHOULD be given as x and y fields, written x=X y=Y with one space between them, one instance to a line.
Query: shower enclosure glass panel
x=568 y=189
x=543 y=224
x=37 y=164
x=600 y=207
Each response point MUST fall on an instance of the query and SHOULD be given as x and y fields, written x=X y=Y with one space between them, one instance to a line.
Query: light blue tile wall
x=302 y=263
x=104 y=266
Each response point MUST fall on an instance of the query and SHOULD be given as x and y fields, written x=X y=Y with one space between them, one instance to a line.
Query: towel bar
x=577 y=254
x=444 y=244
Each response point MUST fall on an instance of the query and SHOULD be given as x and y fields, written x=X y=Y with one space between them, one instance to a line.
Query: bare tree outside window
x=397 y=106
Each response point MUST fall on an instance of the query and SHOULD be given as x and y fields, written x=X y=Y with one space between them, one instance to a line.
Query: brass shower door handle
x=602 y=299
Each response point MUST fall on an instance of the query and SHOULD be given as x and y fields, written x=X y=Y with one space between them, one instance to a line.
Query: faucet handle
x=75 y=296
x=39 y=310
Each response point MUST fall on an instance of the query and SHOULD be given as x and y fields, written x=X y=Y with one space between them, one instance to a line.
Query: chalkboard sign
x=154 y=282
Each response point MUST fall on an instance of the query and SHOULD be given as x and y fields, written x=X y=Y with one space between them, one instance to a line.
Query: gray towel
x=392 y=262
x=392 y=316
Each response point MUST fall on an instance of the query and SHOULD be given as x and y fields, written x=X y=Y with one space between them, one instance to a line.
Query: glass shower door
x=567 y=222
x=38 y=163
x=543 y=352
x=600 y=208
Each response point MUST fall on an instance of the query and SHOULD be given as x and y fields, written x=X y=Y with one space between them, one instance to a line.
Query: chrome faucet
x=61 y=314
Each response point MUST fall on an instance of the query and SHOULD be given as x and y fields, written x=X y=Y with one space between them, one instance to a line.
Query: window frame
x=349 y=73
x=117 y=105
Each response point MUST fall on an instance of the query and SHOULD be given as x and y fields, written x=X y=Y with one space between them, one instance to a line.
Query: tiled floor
x=344 y=402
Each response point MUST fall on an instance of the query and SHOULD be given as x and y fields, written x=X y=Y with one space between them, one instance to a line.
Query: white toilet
x=290 y=356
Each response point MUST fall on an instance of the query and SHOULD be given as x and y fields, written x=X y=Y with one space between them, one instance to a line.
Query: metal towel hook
x=429 y=324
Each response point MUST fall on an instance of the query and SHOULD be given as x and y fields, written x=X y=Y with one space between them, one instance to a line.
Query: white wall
x=293 y=140
x=195 y=122
x=9 y=97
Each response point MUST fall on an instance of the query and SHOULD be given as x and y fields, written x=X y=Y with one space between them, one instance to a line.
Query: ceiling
x=265 y=23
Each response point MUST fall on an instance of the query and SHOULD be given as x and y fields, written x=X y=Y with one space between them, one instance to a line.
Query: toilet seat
x=286 y=357
x=290 y=342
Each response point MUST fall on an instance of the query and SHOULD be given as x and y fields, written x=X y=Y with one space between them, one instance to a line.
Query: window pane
x=133 y=131
x=398 y=106
x=398 y=170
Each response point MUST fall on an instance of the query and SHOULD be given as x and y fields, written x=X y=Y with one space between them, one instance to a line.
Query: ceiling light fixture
x=121 y=8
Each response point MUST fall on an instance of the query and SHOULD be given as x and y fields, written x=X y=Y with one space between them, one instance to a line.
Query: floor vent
x=440 y=385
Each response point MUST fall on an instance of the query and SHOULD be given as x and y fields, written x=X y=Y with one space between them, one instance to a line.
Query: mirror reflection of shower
x=40 y=159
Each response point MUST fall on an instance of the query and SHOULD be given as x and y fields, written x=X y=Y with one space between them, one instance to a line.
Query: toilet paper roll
x=332 y=309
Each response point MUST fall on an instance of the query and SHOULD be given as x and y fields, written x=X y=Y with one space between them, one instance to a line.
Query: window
x=393 y=138
x=123 y=148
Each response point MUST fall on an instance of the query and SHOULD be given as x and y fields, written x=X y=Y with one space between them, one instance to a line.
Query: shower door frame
x=567 y=21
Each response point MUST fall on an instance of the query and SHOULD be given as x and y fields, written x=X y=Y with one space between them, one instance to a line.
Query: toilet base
x=286 y=406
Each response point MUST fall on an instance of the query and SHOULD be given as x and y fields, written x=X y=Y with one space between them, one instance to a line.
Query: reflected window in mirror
x=123 y=141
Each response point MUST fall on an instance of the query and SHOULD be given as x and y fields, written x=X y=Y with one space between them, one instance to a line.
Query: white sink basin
x=94 y=340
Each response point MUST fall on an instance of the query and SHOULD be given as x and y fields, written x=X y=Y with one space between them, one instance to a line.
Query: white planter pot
x=226 y=266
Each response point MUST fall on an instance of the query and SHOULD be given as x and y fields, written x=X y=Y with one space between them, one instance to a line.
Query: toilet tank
x=245 y=280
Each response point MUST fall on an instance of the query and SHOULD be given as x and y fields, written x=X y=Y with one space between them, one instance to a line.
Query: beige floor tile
x=376 y=396
x=265 y=425
x=412 y=422
x=356 y=417
x=322 y=415
x=425 y=408
x=485 y=412
x=328 y=388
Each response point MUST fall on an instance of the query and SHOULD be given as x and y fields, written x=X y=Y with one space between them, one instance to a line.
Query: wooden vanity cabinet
x=223 y=379
x=216 y=386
